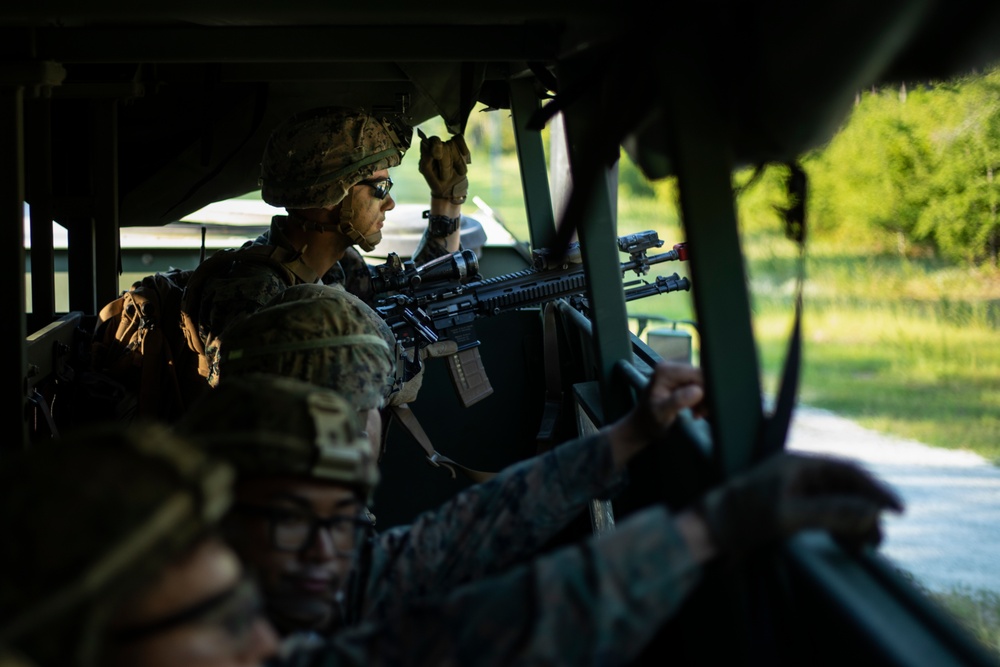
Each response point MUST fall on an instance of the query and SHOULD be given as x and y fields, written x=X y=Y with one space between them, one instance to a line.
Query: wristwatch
x=440 y=226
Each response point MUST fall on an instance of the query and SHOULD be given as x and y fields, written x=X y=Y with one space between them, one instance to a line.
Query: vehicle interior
x=115 y=116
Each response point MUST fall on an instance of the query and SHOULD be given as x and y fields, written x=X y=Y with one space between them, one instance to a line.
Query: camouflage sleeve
x=596 y=603
x=357 y=275
x=490 y=526
x=428 y=248
x=242 y=291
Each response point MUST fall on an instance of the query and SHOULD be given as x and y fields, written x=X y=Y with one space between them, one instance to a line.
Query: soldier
x=327 y=336
x=110 y=557
x=466 y=584
x=329 y=168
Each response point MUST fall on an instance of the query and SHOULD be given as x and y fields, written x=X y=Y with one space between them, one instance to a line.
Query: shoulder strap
x=436 y=459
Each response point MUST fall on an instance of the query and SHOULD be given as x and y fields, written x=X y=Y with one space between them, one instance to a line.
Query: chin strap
x=345 y=226
x=366 y=243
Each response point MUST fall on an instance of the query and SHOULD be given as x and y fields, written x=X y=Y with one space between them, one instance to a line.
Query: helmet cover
x=314 y=158
x=265 y=424
x=88 y=521
x=320 y=334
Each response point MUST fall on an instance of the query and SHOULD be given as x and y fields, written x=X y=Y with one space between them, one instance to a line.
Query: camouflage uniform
x=597 y=603
x=353 y=271
x=462 y=578
x=312 y=160
x=243 y=289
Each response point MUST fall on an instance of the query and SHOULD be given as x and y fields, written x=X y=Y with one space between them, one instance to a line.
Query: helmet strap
x=311 y=225
x=367 y=243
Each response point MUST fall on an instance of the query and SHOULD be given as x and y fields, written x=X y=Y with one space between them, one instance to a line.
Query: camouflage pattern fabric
x=429 y=248
x=250 y=285
x=242 y=290
x=312 y=159
x=597 y=603
x=266 y=424
x=319 y=334
x=88 y=520
x=353 y=270
x=485 y=528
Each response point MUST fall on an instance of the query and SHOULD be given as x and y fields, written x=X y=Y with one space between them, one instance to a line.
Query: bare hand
x=672 y=388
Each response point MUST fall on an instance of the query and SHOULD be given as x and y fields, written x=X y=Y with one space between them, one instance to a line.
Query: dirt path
x=949 y=536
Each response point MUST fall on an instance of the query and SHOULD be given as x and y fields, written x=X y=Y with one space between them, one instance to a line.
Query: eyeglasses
x=235 y=610
x=381 y=186
x=294 y=531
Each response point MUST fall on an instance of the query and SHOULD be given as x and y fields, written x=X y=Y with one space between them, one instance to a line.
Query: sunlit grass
x=977 y=610
x=904 y=346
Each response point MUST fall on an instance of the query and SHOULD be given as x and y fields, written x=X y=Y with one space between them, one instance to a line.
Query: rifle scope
x=396 y=276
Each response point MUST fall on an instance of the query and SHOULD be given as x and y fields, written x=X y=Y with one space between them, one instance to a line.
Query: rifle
x=441 y=300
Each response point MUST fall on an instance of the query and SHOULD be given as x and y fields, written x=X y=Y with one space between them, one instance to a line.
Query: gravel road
x=949 y=536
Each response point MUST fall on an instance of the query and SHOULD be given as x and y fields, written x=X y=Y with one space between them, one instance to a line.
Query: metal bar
x=531 y=155
x=39 y=188
x=598 y=242
x=301 y=12
x=80 y=263
x=290 y=44
x=704 y=166
x=107 y=253
x=12 y=195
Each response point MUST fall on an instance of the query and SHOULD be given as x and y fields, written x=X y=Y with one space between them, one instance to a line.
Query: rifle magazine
x=469 y=376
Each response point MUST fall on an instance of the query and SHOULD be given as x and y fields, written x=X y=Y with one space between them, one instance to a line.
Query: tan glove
x=443 y=164
x=792 y=492
x=442 y=348
x=408 y=392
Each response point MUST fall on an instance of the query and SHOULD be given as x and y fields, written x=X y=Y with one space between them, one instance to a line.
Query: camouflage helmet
x=88 y=521
x=314 y=158
x=320 y=334
x=270 y=425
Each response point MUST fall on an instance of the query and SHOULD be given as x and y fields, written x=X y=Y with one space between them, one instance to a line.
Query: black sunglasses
x=381 y=186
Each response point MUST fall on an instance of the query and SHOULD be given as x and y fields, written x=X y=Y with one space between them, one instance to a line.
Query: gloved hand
x=443 y=164
x=408 y=392
x=792 y=492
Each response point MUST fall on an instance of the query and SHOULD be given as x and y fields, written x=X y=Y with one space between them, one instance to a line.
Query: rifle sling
x=436 y=459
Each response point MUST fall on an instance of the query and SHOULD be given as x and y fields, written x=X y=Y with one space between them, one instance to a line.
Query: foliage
x=915 y=169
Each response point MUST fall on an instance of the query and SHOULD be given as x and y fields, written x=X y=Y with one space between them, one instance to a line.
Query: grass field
x=903 y=346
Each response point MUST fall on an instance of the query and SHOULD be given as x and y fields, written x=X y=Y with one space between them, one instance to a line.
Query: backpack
x=147 y=341
x=138 y=343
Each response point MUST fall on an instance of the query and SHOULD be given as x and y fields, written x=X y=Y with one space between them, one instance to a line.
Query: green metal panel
x=597 y=235
x=531 y=156
x=718 y=277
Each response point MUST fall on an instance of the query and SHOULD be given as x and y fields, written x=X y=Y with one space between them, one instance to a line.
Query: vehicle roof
x=201 y=84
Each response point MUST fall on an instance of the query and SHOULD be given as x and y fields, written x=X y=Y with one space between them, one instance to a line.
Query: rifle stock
x=421 y=311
